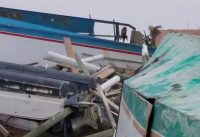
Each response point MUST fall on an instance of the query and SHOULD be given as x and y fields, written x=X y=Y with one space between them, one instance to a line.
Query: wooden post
x=70 y=53
x=113 y=93
x=81 y=65
x=105 y=72
x=112 y=120
x=117 y=35
x=111 y=104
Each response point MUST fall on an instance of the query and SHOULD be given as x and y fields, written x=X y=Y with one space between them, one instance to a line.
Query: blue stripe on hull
x=19 y=27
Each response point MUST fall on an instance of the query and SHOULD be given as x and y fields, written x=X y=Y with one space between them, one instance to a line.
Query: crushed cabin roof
x=172 y=77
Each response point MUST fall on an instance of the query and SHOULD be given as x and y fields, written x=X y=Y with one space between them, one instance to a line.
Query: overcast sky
x=139 y=13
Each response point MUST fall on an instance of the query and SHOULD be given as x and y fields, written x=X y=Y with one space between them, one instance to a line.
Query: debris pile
x=78 y=99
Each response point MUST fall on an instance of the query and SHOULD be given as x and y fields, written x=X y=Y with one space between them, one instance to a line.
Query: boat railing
x=116 y=28
x=74 y=24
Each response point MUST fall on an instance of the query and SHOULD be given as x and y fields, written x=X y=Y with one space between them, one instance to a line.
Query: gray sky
x=139 y=13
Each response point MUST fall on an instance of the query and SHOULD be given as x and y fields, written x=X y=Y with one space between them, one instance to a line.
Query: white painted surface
x=125 y=126
x=61 y=59
x=145 y=50
x=26 y=50
x=31 y=107
x=109 y=83
x=93 y=58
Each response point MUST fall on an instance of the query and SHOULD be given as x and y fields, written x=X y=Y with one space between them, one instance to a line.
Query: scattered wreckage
x=81 y=102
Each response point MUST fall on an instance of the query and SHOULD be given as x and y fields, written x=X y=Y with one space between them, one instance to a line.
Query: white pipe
x=61 y=59
x=93 y=58
x=145 y=54
x=145 y=50
x=111 y=82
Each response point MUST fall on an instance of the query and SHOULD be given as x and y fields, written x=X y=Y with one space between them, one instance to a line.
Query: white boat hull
x=25 y=50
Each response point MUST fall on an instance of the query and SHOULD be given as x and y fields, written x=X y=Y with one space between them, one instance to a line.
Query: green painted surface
x=193 y=83
x=175 y=122
x=175 y=62
x=137 y=106
x=172 y=79
x=182 y=66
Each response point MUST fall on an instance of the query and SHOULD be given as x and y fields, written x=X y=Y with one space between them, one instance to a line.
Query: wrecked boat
x=29 y=35
x=162 y=100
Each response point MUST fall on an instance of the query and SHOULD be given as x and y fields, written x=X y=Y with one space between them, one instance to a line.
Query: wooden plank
x=105 y=72
x=81 y=65
x=123 y=76
x=70 y=53
x=4 y=131
x=111 y=104
x=112 y=120
x=113 y=93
